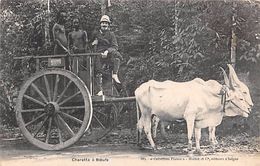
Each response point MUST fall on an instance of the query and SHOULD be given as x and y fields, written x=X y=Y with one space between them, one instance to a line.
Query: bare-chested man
x=78 y=39
x=78 y=43
x=59 y=36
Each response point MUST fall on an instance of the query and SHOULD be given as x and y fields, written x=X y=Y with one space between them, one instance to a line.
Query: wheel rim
x=104 y=119
x=54 y=109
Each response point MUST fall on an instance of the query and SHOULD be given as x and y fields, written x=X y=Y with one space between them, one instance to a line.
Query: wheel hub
x=52 y=108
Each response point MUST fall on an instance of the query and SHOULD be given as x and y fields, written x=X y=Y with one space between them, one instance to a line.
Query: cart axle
x=52 y=108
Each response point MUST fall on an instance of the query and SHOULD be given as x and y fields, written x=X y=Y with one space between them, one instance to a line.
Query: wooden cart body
x=54 y=108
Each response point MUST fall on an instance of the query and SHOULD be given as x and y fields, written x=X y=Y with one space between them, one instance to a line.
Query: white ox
x=199 y=102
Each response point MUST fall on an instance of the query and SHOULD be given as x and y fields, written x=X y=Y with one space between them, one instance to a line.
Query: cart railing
x=91 y=66
x=58 y=56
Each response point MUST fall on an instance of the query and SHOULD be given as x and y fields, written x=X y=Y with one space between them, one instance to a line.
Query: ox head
x=238 y=95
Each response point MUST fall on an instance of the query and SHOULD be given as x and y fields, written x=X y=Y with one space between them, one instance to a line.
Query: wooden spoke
x=47 y=87
x=101 y=113
x=71 y=117
x=56 y=87
x=72 y=107
x=60 y=136
x=48 y=131
x=34 y=120
x=39 y=92
x=39 y=129
x=115 y=107
x=63 y=92
x=33 y=110
x=34 y=100
x=66 y=126
x=99 y=122
x=69 y=98
x=58 y=128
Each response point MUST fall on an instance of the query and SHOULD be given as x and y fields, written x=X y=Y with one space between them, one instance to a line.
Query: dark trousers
x=113 y=58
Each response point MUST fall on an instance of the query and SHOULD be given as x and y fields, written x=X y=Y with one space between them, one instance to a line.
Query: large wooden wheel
x=54 y=109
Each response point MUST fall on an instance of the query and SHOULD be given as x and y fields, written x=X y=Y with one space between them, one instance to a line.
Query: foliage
x=158 y=39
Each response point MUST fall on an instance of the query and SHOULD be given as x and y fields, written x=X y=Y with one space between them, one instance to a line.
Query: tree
x=176 y=40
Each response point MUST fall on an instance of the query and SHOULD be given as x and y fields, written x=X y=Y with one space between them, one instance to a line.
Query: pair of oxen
x=201 y=103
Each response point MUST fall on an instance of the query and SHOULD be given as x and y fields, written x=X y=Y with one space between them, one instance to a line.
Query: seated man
x=106 y=43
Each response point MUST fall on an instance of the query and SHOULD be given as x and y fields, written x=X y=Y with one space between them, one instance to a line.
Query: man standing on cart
x=105 y=43
x=78 y=43
x=59 y=37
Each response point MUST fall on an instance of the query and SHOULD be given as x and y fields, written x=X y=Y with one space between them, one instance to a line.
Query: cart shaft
x=107 y=99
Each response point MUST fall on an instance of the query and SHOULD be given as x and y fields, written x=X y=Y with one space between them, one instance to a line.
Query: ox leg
x=155 y=122
x=197 y=138
x=163 y=132
x=140 y=126
x=147 y=130
x=212 y=136
x=145 y=123
x=190 y=127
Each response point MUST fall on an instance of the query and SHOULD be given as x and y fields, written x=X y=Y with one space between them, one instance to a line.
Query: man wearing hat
x=106 y=43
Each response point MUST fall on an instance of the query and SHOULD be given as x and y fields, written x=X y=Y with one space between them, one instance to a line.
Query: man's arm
x=70 y=41
x=85 y=40
x=56 y=31
x=114 y=43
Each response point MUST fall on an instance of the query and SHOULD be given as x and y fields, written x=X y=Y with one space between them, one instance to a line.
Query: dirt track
x=20 y=152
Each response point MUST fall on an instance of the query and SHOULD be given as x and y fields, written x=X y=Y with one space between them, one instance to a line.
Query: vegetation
x=176 y=40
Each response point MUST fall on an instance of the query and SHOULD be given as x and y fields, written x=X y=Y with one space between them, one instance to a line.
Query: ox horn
x=225 y=77
x=233 y=76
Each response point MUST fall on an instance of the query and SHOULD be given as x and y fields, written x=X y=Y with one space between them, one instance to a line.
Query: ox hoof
x=143 y=147
x=214 y=143
x=199 y=152
x=188 y=151
x=211 y=150
x=190 y=154
x=155 y=148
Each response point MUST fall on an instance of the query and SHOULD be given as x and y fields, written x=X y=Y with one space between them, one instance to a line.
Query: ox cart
x=56 y=107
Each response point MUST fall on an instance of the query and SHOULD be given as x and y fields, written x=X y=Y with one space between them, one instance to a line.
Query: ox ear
x=230 y=96
x=225 y=77
x=233 y=76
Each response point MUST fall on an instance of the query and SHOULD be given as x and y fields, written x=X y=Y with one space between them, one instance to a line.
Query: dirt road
x=20 y=152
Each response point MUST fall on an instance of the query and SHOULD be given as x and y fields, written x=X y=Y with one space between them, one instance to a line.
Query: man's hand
x=95 y=42
x=64 y=48
x=104 y=54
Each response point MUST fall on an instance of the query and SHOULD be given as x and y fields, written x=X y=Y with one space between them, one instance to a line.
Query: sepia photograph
x=130 y=82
